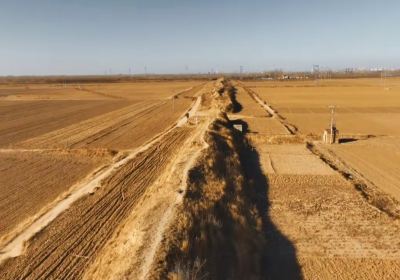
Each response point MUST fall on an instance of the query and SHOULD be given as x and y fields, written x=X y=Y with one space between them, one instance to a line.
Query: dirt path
x=143 y=231
x=87 y=186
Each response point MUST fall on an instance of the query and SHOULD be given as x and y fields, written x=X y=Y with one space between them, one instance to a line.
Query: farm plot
x=265 y=126
x=25 y=118
x=30 y=180
x=291 y=159
x=49 y=145
x=153 y=90
x=126 y=128
x=364 y=106
x=32 y=92
x=257 y=119
x=249 y=107
x=335 y=232
x=102 y=91
x=377 y=160
x=21 y=120
x=68 y=245
x=330 y=230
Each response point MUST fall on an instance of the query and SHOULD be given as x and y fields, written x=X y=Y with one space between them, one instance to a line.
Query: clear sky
x=39 y=37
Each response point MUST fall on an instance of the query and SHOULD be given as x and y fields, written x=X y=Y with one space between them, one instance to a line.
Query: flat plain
x=363 y=106
x=334 y=231
x=98 y=180
x=367 y=116
x=53 y=136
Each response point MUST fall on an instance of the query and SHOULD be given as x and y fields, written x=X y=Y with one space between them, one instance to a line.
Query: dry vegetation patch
x=219 y=228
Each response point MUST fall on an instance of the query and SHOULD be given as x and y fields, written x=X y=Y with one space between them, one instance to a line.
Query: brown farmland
x=52 y=137
x=216 y=179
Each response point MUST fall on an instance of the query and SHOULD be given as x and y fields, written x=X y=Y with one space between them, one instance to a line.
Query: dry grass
x=219 y=224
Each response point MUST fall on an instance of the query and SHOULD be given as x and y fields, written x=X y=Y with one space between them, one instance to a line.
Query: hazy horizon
x=122 y=37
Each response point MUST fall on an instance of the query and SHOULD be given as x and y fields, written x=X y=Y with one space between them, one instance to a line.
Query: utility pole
x=333 y=123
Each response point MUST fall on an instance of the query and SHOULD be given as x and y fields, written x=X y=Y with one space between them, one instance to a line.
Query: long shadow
x=280 y=259
x=236 y=106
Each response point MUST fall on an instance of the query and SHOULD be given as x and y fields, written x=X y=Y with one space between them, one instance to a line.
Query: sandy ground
x=330 y=230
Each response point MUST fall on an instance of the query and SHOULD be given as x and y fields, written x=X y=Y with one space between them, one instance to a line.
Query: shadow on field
x=279 y=260
x=347 y=140
x=224 y=230
x=236 y=106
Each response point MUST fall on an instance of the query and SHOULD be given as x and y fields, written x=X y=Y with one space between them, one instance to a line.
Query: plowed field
x=325 y=227
x=53 y=138
x=364 y=106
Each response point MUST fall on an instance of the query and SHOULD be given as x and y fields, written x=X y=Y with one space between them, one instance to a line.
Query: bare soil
x=307 y=218
x=185 y=195
x=364 y=106
x=31 y=180
x=58 y=143
x=21 y=120
x=335 y=230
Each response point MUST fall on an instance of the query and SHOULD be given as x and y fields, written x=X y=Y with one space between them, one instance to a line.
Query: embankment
x=219 y=230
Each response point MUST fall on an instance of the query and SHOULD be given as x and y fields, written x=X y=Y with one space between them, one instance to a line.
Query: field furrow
x=68 y=244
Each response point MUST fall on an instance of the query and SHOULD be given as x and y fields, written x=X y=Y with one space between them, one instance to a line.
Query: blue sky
x=174 y=36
